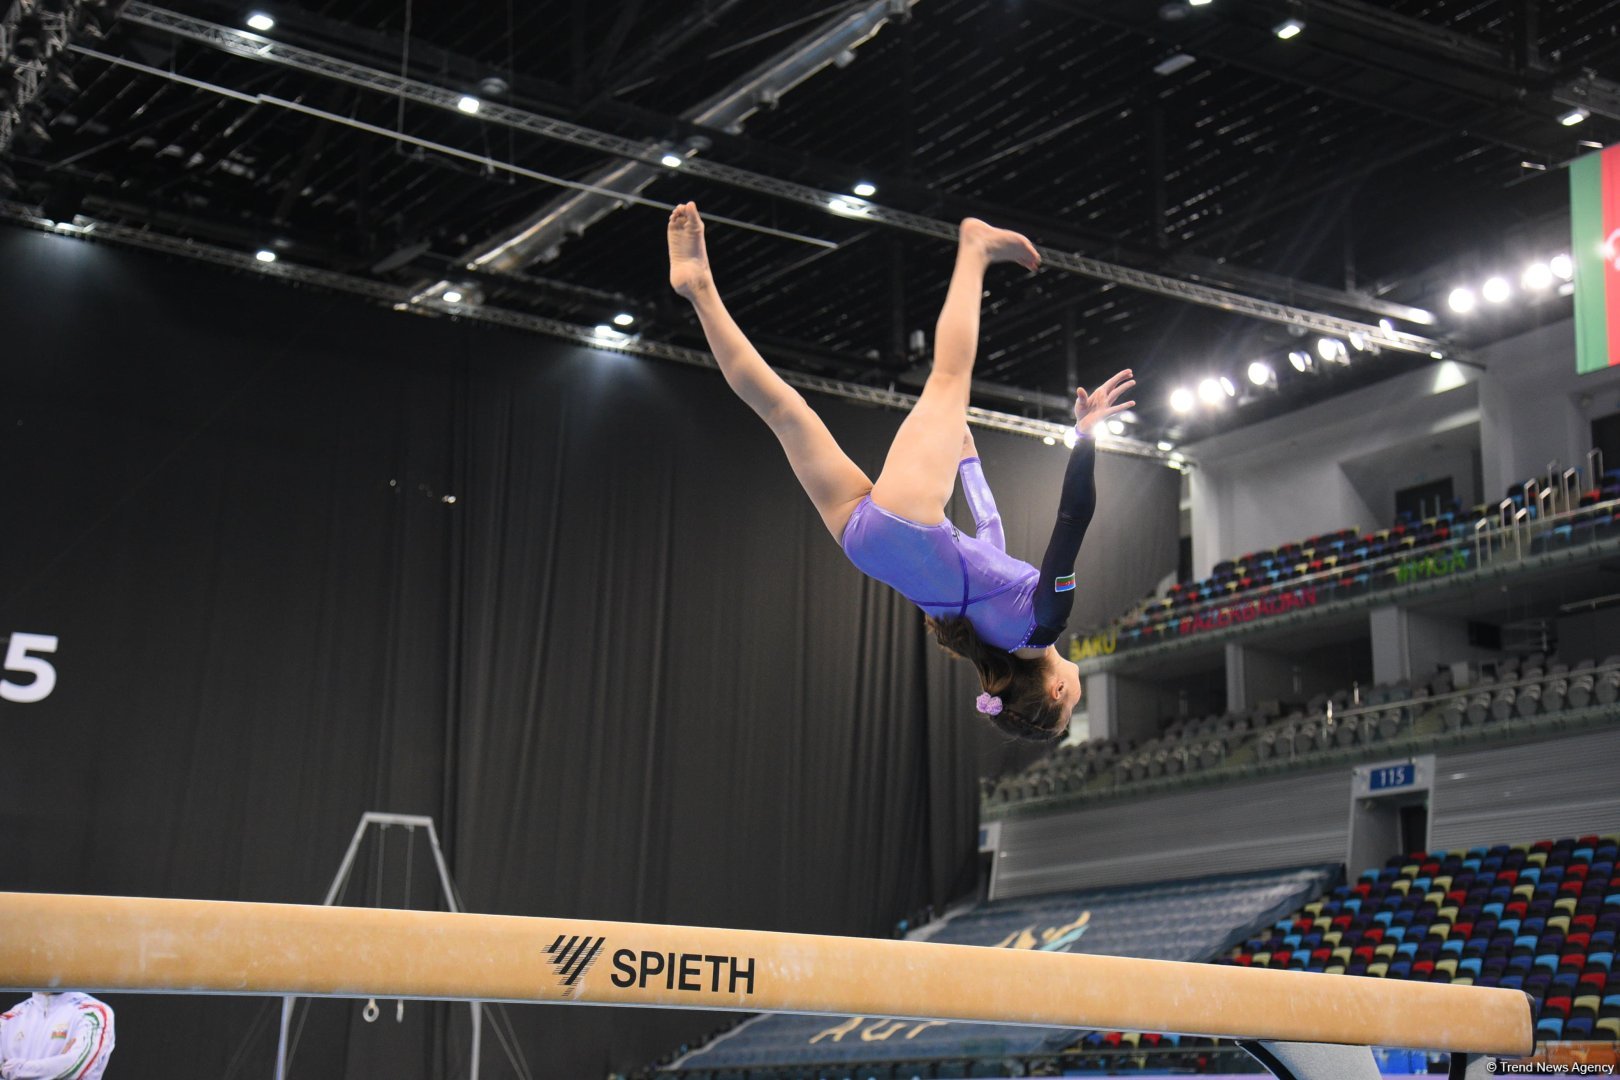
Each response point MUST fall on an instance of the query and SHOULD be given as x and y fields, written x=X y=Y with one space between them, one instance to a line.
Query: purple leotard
x=1010 y=603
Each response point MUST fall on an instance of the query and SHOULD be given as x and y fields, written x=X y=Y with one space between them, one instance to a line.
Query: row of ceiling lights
x=1536 y=280
x=1216 y=391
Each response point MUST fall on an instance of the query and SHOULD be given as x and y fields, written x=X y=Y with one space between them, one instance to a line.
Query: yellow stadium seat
x=1377 y=970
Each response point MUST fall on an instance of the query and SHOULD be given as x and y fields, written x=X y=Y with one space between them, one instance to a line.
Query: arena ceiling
x=1358 y=170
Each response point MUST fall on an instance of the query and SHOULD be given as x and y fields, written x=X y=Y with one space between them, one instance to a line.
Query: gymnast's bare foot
x=688 y=258
x=999 y=245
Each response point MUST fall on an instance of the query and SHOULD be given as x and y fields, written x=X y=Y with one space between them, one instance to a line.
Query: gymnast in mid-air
x=982 y=604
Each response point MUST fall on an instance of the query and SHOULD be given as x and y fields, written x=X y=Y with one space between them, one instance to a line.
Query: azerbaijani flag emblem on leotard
x=1064 y=584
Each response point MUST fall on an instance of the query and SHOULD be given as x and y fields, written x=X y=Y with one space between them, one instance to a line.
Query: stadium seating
x=1539 y=917
x=1349 y=562
x=1509 y=696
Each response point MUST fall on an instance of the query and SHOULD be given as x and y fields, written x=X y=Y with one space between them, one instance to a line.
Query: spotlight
x=671 y=161
x=1165 y=446
x=623 y=318
x=1300 y=360
x=265 y=255
x=865 y=190
x=1048 y=440
x=1329 y=348
x=1386 y=326
x=1210 y=392
x=1495 y=290
x=1537 y=276
x=1288 y=28
x=1198 y=3
x=847 y=207
x=1358 y=341
x=1228 y=387
x=1070 y=437
x=452 y=296
x=1182 y=400
x=1261 y=374
x=261 y=22
x=1461 y=300
x=1116 y=426
x=1573 y=117
x=1562 y=267
x=469 y=104
x=1173 y=64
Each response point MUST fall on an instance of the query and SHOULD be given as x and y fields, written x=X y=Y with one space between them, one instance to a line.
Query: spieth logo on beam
x=683 y=972
x=572 y=956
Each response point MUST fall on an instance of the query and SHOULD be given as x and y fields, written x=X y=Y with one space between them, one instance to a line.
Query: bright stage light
x=1496 y=290
x=1210 y=392
x=1537 y=276
x=1562 y=267
x=261 y=22
x=1182 y=400
x=1116 y=426
x=1573 y=117
x=452 y=296
x=623 y=318
x=1461 y=300
x=1288 y=28
x=1329 y=348
x=865 y=190
x=1166 y=446
x=671 y=161
x=1261 y=373
x=1300 y=360
x=265 y=255
x=469 y=104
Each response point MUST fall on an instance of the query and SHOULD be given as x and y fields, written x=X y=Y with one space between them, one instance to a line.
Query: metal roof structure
x=1207 y=193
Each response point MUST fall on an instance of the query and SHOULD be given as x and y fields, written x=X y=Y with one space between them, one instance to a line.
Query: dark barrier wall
x=625 y=669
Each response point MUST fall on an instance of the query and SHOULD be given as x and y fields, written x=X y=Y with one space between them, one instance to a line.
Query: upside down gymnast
x=996 y=611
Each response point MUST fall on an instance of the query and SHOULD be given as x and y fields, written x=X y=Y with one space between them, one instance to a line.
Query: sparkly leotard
x=1010 y=603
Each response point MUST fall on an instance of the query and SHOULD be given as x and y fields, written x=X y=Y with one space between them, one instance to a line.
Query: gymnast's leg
x=834 y=483
x=920 y=472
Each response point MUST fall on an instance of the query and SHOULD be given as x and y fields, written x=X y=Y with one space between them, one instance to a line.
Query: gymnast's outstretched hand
x=1093 y=408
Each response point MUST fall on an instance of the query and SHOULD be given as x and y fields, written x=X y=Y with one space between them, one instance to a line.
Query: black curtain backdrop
x=625 y=669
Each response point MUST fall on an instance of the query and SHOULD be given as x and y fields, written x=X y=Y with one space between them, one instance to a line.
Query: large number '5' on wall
x=20 y=660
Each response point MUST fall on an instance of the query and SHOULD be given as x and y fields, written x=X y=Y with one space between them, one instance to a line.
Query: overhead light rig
x=34 y=35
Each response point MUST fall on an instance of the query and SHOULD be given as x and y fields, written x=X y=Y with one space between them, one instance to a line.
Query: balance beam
x=135 y=945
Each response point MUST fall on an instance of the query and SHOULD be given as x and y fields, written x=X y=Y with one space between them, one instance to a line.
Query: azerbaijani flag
x=1594 y=218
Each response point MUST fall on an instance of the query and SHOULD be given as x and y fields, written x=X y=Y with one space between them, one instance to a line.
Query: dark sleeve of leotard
x=1054 y=596
x=986 y=521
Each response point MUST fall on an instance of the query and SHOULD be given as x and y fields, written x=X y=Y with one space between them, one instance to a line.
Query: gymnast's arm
x=986 y=520
x=1054 y=596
